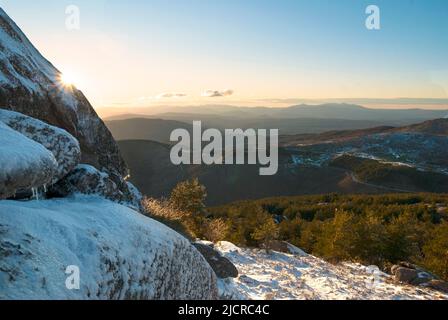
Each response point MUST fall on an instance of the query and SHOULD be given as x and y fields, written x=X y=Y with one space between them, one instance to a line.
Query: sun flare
x=69 y=79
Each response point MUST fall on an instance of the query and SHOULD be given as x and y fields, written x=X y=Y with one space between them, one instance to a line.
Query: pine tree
x=266 y=232
x=189 y=196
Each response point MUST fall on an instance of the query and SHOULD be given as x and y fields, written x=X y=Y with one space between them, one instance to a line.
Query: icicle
x=35 y=193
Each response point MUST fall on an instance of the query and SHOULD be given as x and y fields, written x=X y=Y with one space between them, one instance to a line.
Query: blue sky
x=129 y=52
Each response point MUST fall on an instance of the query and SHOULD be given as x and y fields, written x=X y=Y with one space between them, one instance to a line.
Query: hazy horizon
x=391 y=104
x=158 y=53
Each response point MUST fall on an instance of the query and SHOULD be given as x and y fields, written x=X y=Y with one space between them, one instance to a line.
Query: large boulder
x=24 y=164
x=64 y=146
x=31 y=85
x=222 y=266
x=119 y=253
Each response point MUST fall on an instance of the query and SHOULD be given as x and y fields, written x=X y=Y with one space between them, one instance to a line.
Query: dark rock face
x=221 y=265
x=31 y=85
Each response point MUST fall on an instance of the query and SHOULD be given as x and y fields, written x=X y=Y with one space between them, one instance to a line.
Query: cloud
x=217 y=93
x=171 y=95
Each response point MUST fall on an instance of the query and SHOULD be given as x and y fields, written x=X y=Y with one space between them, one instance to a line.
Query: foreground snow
x=301 y=276
x=120 y=253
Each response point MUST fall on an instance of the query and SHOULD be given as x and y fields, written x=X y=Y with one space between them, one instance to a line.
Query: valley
x=382 y=159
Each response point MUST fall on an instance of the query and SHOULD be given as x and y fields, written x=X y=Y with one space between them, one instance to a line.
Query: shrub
x=266 y=232
x=164 y=212
x=436 y=252
x=216 y=230
x=189 y=196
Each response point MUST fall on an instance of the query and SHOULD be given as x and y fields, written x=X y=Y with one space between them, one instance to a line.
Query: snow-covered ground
x=272 y=276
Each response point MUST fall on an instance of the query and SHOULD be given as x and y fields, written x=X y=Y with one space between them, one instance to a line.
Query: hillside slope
x=280 y=276
x=154 y=174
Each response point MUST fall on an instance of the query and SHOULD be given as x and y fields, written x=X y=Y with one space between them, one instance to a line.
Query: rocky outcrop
x=408 y=273
x=24 y=164
x=136 y=195
x=31 y=85
x=64 y=146
x=221 y=265
x=86 y=179
x=411 y=274
x=119 y=253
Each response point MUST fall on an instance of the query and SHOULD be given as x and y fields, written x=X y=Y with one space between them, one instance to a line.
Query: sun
x=68 y=79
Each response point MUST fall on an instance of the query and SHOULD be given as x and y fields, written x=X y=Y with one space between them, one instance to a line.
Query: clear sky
x=128 y=53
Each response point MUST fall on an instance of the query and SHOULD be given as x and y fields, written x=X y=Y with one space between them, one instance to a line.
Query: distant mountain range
x=145 y=129
x=437 y=127
x=322 y=111
x=290 y=121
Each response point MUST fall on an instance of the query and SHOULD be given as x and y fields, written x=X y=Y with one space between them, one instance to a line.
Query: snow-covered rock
x=24 y=164
x=277 y=275
x=120 y=254
x=87 y=180
x=136 y=195
x=31 y=85
x=64 y=146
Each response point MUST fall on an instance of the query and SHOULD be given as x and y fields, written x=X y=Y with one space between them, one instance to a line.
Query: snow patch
x=279 y=276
